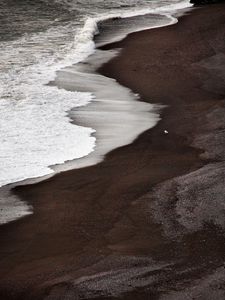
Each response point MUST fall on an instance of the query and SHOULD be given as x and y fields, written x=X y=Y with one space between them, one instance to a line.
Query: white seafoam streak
x=31 y=147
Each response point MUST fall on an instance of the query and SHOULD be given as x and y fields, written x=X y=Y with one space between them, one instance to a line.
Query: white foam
x=35 y=129
x=38 y=134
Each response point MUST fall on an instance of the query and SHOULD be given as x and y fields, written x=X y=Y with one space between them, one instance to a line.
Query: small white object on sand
x=166 y=132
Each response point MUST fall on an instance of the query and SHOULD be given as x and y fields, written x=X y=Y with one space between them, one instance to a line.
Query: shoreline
x=124 y=104
x=85 y=48
x=101 y=220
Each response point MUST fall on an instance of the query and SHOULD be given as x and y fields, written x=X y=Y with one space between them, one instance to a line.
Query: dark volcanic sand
x=148 y=222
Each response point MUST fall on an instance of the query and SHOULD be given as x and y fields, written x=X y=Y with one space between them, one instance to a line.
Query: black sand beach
x=148 y=222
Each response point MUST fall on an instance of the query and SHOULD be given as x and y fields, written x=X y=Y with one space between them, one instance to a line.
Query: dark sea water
x=37 y=40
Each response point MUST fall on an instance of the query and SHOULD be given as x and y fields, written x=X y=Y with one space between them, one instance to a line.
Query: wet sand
x=148 y=222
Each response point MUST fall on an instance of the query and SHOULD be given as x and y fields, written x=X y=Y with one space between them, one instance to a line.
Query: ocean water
x=39 y=39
